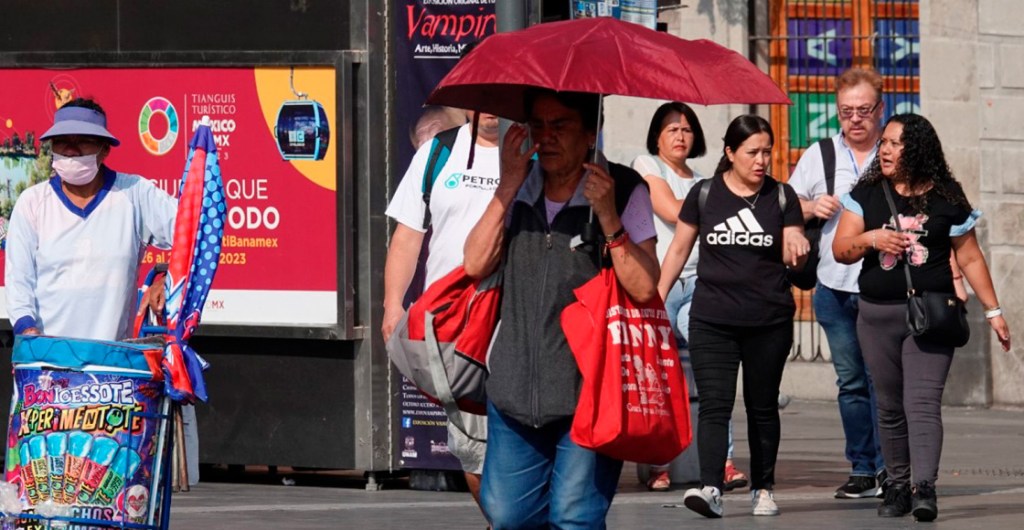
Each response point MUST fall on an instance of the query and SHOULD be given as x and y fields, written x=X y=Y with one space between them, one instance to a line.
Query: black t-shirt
x=741 y=279
x=881 y=275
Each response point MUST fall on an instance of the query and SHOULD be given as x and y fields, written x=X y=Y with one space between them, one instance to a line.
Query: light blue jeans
x=837 y=311
x=677 y=305
x=539 y=478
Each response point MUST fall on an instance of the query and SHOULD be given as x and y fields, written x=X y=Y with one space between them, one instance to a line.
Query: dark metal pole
x=510 y=15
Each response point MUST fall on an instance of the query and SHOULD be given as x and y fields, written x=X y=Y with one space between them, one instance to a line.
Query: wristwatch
x=618 y=233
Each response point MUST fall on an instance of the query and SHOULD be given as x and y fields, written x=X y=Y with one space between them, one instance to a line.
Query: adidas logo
x=740 y=229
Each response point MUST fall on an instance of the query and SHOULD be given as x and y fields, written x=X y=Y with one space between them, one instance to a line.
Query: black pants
x=716 y=351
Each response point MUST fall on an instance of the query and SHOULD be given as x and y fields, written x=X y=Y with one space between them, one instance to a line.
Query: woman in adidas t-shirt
x=750 y=227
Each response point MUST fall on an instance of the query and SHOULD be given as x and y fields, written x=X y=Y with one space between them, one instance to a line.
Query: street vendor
x=75 y=241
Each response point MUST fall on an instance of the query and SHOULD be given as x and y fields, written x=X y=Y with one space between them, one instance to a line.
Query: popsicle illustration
x=56 y=449
x=79 y=445
x=100 y=457
x=27 y=478
x=40 y=467
x=121 y=470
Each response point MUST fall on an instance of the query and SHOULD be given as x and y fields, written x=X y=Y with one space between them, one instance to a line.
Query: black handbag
x=933 y=316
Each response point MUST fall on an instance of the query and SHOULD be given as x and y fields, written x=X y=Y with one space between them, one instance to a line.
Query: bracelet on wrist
x=873 y=234
x=608 y=238
x=993 y=313
x=618 y=240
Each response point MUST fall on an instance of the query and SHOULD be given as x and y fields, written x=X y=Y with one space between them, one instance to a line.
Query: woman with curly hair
x=909 y=372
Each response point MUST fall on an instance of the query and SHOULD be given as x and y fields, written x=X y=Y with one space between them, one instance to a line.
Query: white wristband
x=993 y=313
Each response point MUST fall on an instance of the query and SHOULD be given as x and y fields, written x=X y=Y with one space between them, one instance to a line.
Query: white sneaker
x=706 y=501
x=763 y=502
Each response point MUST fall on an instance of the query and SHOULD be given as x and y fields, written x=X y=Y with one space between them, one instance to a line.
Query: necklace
x=757 y=195
x=751 y=203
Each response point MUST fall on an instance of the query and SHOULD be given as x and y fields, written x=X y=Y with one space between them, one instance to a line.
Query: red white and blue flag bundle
x=198 y=231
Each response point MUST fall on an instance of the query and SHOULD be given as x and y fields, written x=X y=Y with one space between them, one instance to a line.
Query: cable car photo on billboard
x=302 y=130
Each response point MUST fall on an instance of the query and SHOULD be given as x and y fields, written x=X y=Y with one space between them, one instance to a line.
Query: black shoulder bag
x=807 y=277
x=933 y=316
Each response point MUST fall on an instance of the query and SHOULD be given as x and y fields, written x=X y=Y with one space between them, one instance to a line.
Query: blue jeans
x=677 y=305
x=539 y=478
x=836 y=311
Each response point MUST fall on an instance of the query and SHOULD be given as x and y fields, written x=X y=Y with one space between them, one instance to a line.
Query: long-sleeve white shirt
x=73 y=271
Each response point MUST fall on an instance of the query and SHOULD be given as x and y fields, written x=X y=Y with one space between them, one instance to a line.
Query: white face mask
x=76 y=170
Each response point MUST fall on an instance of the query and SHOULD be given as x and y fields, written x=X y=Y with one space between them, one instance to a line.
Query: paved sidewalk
x=981 y=485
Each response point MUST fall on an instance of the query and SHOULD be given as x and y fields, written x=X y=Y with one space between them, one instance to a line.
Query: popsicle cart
x=90 y=437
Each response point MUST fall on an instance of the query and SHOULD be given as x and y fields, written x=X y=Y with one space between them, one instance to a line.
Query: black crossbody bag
x=933 y=316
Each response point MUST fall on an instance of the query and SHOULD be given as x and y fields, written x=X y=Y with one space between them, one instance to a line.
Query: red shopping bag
x=634 y=402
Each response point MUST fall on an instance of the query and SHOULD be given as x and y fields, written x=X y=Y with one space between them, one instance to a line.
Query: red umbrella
x=602 y=56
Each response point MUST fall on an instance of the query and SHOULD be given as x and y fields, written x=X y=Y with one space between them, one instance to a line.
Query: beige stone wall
x=972 y=88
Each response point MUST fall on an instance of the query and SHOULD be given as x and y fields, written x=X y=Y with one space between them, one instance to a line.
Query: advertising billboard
x=430 y=38
x=272 y=127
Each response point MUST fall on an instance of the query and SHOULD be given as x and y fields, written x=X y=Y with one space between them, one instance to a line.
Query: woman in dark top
x=909 y=373
x=742 y=311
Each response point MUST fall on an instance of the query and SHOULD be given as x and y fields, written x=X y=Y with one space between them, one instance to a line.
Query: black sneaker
x=882 y=479
x=858 y=487
x=896 y=502
x=924 y=504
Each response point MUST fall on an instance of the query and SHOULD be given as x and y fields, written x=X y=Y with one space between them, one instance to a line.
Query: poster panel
x=819 y=46
x=431 y=37
x=273 y=130
x=643 y=12
x=812 y=117
x=898 y=47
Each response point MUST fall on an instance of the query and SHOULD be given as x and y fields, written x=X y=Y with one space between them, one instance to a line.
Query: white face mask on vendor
x=76 y=170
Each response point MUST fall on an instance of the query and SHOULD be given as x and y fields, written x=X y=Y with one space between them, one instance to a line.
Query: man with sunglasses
x=75 y=241
x=860 y=109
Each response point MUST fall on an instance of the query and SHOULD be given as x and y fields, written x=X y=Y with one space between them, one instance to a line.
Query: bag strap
x=705 y=188
x=896 y=221
x=435 y=364
x=702 y=198
x=828 y=158
x=440 y=150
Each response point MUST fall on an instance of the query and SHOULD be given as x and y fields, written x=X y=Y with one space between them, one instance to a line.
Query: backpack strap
x=440 y=150
x=702 y=199
x=705 y=188
x=438 y=374
x=828 y=157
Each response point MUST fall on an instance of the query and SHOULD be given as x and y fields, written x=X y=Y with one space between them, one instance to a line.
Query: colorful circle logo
x=158 y=106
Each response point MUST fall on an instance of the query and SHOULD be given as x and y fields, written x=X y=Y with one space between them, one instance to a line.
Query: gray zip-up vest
x=533 y=374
